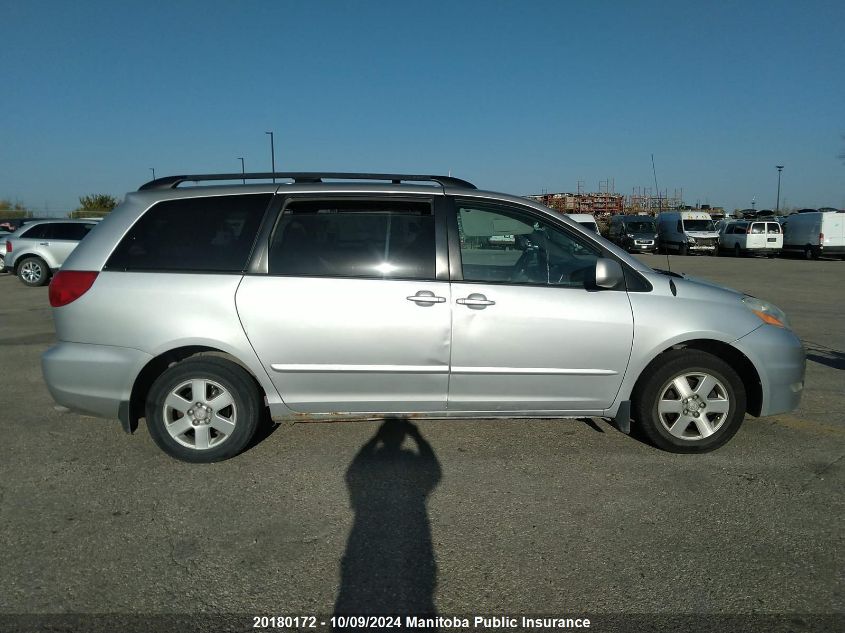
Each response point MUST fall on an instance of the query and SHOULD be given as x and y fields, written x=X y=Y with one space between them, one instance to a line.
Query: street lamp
x=272 y=154
x=153 y=169
x=777 y=204
x=243 y=171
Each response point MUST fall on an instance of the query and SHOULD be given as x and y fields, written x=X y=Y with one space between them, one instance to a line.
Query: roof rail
x=171 y=182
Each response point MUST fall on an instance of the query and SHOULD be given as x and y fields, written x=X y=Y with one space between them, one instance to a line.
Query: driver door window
x=504 y=245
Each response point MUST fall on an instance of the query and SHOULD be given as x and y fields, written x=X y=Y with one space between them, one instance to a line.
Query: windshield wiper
x=668 y=273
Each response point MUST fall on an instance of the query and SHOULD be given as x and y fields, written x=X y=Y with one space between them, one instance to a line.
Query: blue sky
x=515 y=96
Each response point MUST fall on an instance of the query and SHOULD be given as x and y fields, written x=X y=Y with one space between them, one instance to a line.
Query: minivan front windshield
x=640 y=226
x=699 y=225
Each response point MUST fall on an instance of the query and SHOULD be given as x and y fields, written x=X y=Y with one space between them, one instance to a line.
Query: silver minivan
x=355 y=296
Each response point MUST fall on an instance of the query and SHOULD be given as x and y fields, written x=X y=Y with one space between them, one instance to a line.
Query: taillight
x=748 y=231
x=821 y=238
x=68 y=285
x=8 y=246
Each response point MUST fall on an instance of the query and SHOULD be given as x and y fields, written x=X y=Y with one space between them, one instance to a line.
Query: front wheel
x=683 y=249
x=692 y=402
x=204 y=409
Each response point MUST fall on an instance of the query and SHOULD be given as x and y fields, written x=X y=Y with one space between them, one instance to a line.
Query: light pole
x=243 y=171
x=777 y=204
x=272 y=154
x=153 y=169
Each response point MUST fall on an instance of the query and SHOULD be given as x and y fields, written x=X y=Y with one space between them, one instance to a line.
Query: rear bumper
x=92 y=379
x=779 y=358
x=762 y=251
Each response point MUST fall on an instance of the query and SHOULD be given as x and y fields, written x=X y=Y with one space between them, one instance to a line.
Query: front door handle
x=44 y=243
x=476 y=300
x=426 y=297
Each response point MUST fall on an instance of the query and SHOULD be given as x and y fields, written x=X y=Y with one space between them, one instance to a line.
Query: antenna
x=659 y=208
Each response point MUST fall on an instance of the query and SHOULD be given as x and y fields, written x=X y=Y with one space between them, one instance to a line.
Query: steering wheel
x=530 y=265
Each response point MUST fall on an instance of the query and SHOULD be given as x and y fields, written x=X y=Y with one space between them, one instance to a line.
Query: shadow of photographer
x=388 y=566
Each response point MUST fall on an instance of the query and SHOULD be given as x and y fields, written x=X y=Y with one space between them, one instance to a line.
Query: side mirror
x=609 y=273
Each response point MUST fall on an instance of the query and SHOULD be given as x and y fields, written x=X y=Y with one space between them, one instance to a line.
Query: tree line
x=91 y=206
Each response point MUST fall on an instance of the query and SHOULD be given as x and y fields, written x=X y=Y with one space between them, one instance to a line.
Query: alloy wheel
x=693 y=405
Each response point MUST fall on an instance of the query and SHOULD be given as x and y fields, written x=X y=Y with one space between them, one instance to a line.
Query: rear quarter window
x=69 y=230
x=209 y=234
x=36 y=232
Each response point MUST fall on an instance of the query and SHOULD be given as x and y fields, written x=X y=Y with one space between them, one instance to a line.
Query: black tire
x=810 y=253
x=682 y=249
x=246 y=408
x=657 y=381
x=737 y=251
x=33 y=272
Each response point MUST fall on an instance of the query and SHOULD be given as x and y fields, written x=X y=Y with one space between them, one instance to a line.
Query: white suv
x=38 y=249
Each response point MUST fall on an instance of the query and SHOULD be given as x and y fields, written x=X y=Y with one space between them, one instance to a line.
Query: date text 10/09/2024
x=442 y=622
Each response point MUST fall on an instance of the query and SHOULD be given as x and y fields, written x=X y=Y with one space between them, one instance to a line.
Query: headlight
x=655 y=237
x=691 y=240
x=768 y=312
x=631 y=235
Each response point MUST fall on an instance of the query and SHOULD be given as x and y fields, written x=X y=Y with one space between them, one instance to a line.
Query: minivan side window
x=507 y=245
x=206 y=234
x=758 y=227
x=387 y=239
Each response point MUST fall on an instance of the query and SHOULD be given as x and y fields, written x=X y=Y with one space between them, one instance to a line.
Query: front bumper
x=779 y=358
x=645 y=246
x=92 y=379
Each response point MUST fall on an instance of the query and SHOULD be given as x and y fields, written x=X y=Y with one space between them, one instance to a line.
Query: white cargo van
x=585 y=220
x=815 y=234
x=751 y=237
x=685 y=232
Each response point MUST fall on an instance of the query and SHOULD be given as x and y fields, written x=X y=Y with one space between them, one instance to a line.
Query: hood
x=709 y=284
x=702 y=233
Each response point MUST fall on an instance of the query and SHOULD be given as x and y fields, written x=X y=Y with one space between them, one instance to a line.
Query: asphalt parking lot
x=499 y=517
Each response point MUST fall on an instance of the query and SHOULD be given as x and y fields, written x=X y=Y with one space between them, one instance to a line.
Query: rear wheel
x=204 y=409
x=737 y=251
x=810 y=252
x=33 y=271
x=693 y=402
